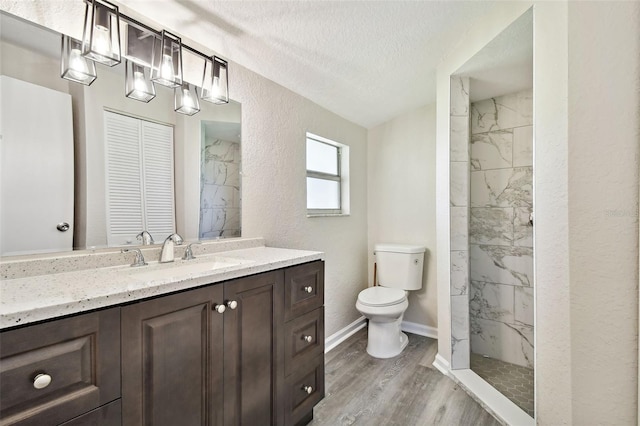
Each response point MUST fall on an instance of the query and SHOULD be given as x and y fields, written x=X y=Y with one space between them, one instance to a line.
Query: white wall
x=586 y=132
x=274 y=125
x=401 y=187
x=603 y=148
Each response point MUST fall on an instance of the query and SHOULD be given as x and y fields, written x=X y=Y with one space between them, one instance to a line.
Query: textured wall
x=274 y=125
x=603 y=149
x=401 y=187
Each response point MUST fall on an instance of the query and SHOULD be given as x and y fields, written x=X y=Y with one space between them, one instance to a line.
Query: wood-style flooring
x=404 y=391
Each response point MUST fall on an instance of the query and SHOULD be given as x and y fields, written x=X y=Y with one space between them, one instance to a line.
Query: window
x=139 y=179
x=327 y=177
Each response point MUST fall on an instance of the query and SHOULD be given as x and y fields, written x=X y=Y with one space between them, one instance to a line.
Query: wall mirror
x=199 y=174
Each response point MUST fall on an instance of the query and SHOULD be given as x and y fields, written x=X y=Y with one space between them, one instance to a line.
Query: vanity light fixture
x=74 y=66
x=167 y=60
x=186 y=99
x=101 y=36
x=151 y=56
x=138 y=84
x=215 y=83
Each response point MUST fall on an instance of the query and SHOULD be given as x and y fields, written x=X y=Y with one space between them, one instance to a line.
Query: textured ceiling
x=367 y=61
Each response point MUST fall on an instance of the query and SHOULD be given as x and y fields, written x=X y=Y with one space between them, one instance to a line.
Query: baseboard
x=442 y=365
x=343 y=334
x=419 y=329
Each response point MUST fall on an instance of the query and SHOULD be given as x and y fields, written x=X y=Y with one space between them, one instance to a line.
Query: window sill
x=327 y=214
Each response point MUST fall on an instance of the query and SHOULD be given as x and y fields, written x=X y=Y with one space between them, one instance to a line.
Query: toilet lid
x=381 y=296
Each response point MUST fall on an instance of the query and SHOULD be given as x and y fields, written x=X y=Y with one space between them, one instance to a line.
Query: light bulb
x=215 y=87
x=101 y=41
x=166 y=70
x=78 y=68
x=139 y=84
x=187 y=100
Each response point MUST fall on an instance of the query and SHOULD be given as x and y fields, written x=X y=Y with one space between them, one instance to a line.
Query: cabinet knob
x=219 y=308
x=308 y=289
x=307 y=338
x=232 y=304
x=41 y=381
x=308 y=389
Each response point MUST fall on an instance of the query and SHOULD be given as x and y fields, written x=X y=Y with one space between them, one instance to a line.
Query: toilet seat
x=381 y=296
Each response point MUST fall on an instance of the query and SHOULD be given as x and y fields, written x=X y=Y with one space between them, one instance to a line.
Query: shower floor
x=513 y=381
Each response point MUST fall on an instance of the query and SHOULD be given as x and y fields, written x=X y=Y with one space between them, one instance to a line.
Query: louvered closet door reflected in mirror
x=139 y=179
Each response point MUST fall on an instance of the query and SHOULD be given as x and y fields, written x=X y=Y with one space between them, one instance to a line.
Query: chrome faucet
x=139 y=261
x=146 y=238
x=166 y=255
x=188 y=253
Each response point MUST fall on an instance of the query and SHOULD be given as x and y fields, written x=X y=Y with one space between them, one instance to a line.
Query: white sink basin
x=157 y=271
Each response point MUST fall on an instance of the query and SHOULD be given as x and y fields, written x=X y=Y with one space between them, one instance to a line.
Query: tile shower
x=491 y=174
x=219 y=189
x=500 y=235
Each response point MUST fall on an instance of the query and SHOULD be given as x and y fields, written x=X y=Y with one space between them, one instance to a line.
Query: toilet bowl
x=384 y=308
x=400 y=269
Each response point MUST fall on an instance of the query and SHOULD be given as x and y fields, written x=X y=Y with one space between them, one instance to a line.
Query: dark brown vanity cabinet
x=248 y=351
x=54 y=372
x=210 y=356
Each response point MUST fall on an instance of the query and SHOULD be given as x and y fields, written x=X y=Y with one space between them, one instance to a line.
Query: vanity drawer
x=304 y=339
x=81 y=357
x=304 y=389
x=304 y=289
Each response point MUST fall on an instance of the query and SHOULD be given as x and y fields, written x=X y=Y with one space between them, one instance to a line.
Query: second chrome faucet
x=166 y=255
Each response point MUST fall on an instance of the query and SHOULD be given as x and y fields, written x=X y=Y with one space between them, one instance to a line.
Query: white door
x=36 y=168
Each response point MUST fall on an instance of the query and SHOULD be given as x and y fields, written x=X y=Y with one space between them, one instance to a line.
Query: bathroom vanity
x=232 y=337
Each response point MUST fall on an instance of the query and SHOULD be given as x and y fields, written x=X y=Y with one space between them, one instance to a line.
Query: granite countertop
x=30 y=299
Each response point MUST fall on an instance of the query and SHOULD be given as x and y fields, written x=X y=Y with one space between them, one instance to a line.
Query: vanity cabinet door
x=172 y=359
x=254 y=350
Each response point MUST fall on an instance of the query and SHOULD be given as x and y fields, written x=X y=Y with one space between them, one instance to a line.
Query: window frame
x=342 y=169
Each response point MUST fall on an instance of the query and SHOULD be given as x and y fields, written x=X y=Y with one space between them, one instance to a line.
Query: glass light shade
x=138 y=84
x=101 y=37
x=186 y=99
x=215 y=83
x=74 y=66
x=167 y=60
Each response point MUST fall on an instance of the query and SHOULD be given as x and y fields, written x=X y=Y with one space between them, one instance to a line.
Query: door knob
x=232 y=304
x=308 y=389
x=62 y=227
x=219 y=308
x=307 y=338
x=308 y=289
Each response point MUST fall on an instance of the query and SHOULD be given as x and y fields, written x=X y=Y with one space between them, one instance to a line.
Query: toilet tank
x=399 y=265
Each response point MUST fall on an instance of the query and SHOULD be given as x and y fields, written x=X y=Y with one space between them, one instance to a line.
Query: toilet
x=399 y=269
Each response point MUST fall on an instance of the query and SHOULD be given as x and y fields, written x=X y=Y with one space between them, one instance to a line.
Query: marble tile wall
x=500 y=237
x=459 y=221
x=220 y=199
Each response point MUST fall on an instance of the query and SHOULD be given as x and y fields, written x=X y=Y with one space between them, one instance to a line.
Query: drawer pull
x=41 y=381
x=219 y=308
x=308 y=289
x=308 y=389
x=232 y=304
x=307 y=338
